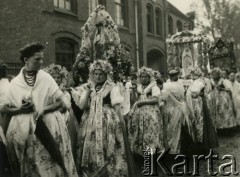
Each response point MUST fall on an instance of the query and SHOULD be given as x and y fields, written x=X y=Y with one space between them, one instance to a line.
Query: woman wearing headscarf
x=221 y=103
x=234 y=87
x=35 y=101
x=176 y=113
x=145 y=124
x=102 y=142
x=205 y=135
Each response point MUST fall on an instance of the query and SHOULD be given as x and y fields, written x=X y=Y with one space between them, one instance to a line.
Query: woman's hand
x=38 y=115
x=139 y=104
x=26 y=108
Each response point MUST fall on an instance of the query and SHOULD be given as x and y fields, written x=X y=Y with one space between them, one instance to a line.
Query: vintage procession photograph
x=119 y=88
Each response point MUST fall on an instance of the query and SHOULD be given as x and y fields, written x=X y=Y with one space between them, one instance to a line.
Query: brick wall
x=24 y=21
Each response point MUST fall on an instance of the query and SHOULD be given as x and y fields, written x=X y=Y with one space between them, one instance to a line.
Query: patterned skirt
x=115 y=151
x=145 y=129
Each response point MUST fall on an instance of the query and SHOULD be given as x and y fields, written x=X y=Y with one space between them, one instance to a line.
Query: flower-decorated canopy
x=188 y=49
x=100 y=41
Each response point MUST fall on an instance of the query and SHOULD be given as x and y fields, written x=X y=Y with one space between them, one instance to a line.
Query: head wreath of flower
x=56 y=69
x=101 y=65
x=145 y=70
x=197 y=72
x=216 y=70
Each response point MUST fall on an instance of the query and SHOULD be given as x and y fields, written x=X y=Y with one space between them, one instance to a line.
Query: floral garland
x=146 y=70
x=57 y=69
x=187 y=37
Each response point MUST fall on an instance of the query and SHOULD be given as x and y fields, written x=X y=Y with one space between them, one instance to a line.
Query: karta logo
x=180 y=165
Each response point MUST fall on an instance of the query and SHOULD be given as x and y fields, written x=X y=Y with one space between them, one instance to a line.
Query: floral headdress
x=145 y=70
x=57 y=69
x=173 y=71
x=197 y=72
x=157 y=75
x=216 y=70
x=101 y=65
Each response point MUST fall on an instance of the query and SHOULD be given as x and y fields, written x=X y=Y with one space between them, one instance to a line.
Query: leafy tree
x=219 y=18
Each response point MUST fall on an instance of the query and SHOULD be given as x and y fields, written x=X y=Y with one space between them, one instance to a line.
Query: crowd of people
x=49 y=127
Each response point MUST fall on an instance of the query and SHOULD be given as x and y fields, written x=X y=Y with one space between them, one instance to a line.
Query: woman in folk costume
x=205 y=135
x=145 y=124
x=234 y=86
x=221 y=103
x=176 y=113
x=60 y=75
x=102 y=148
x=4 y=86
x=35 y=99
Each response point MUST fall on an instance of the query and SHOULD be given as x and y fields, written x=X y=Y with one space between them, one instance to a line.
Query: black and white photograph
x=119 y=88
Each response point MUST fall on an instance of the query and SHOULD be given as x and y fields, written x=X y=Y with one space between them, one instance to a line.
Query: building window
x=150 y=18
x=158 y=14
x=66 y=52
x=63 y=4
x=121 y=12
x=170 y=25
x=179 y=26
x=94 y=3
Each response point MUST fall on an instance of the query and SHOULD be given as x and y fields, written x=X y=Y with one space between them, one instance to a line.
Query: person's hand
x=26 y=108
x=38 y=115
x=139 y=104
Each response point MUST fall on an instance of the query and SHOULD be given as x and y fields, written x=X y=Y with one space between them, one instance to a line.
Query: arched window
x=158 y=22
x=170 y=25
x=155 y=60
x=94 y=3
x=179 y=26
x=150 y=18
x=66 y=50
x=121 y=13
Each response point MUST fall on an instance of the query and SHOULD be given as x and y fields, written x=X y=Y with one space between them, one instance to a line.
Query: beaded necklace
x=30 y=77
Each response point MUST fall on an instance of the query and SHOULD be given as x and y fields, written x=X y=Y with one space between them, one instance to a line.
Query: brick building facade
x=57 y=23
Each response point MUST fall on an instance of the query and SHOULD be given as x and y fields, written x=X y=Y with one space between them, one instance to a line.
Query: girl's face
x=57 y=77
x=224 y=74
x=99 y=76
x=145 y=79
x=232 y=77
